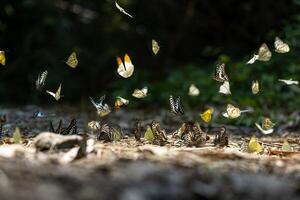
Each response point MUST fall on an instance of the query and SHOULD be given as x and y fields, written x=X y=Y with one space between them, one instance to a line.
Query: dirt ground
x=131 y=170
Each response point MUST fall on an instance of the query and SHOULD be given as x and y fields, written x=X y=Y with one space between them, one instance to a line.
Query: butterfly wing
x=172 y=104
x=264 y=54
x=128 y=65
x=280 y=46
x=220 y=74
x=155 y=47
x=2 y=58
x=255 y=87
x=122 y=10
x=40 y=82
x=178 y=106
x=253 y=59
x=93 y=102
x=193 y=90
x=51 y=93
x=72 y=60
x=225 y=88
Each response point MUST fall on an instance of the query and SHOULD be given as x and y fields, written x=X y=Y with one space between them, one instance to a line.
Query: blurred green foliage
x=193 y=35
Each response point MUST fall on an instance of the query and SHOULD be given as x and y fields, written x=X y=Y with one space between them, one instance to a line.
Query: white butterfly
x=193 y=90
x=125 y=69
x=280 y=46
x=102 y=109
x=122 y=10
x=225 y=88
x=155 y=47
x=120 y=101
x=40 y=82
x=264 y=54
x=57 y=94
x=255 y=87
x=233 y=112
x=140 y=93
x=289 y=82
x=264 y=131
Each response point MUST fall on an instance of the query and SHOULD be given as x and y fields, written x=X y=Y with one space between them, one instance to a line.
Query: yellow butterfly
x=193 y=90
x=140 y=93
x=225 y=88
x=2 y=58
x=149 y=134
x=254 y=146
x=264 y=54
x=207 y=115
x=121 y=102
x=57 y=94
x=125 y=70
x=280 y=46
x=17 y=137
x=286 y=146
x=72 y=60
x=255 y=87
x=155 y=47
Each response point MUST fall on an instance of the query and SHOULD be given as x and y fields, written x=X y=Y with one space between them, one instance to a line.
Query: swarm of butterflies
x=125 y=69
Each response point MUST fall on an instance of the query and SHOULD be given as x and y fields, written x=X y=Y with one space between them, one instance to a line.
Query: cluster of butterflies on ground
x=125 y=69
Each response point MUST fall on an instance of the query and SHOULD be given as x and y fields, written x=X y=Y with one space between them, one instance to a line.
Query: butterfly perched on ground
x=280 y=46
x=140 y=93
x=233 y=112
x=155 y=47
x=176 y=106
x=254 y=146
x=255 y=87
x=40 y=81
x=289 y=82
x=193 y=90
x=2 y=58
x=72 y=60
x=122 y=10
x=102 y=109
x=125 y=69
x=57 y=94
x=220 y=74
x=264 y=54
x=225 y=88
x=206 y=115
x=121 y=102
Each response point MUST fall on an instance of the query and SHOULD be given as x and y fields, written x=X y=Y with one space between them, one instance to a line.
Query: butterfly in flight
x=176 y=106
x=255 y=87
x=2 y=58
x=289 y=82
x=264 y=54
x=220 y=74
x=102 y=109
x=40 y=81
x=193 y=90
x=140 y=93
x=266 y=126
x=125 y=69
x=57 y=94
x=72 y=60
x=122 y=10
x=233 y=112
x=155 y=47
x=280 y=46
x=207 y=115
x=120 y=101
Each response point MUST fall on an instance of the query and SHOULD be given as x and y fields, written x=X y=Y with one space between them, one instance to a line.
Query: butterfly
x=155 y=47
x=40 y=81
x=122 y=10
x=94 y=125
x=280 y=46
x=72 y=60
x=266 y=127
x=193 y=90
x=140 y=93
x=233 y=112
x=176 y=106
x=102 y=109
x=17 y=136
x=286 y=146
x=148 y=135
x=220 y=74
x=2 y=58
x=264 y=54
x=206 y=115
x=289 y=82
x=121 y=102
x=255 y=87
x=57 y=94
x=225 y=88
x=254 y=146
x=125 y=70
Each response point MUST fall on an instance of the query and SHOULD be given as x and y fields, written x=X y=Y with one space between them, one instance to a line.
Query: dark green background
x=193 y=34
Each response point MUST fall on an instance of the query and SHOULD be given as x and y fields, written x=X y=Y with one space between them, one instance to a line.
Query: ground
x=128 y=169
